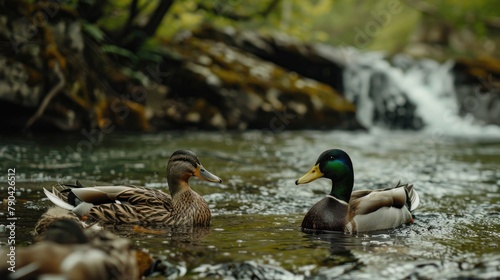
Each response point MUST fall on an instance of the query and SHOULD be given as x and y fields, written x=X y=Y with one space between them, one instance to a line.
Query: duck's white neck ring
x=341 y=201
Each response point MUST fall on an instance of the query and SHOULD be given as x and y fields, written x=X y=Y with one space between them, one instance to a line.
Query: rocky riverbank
x=58 y=72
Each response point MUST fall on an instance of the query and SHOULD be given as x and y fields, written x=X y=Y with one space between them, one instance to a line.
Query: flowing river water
x=258 y=209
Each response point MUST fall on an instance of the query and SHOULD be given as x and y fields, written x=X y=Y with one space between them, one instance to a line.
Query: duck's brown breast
x=328 y=214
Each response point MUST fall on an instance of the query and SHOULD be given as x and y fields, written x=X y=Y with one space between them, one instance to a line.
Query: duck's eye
x=331 y=158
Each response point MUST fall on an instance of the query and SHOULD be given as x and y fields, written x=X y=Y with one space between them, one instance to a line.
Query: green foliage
x=93 y=31
x=117 y=13
x=296 y=18
x=335 y=22
x=463 y=13
x=113 y=49
x=182 y=16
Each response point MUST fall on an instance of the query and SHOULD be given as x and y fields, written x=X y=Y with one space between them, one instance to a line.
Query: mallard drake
x=141 y=205
x=355 y=211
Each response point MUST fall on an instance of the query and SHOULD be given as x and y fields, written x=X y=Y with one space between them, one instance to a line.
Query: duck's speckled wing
x=118 y=204
x=134 y=205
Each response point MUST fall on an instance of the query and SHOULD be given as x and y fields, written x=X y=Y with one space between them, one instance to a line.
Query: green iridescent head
x=336 y=165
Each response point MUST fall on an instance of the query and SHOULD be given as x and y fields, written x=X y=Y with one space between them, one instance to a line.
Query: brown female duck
x=131 y=204
x=65 y=250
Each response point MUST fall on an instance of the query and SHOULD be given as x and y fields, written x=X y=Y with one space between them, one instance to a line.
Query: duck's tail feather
x=52 y=196
x=413 y=198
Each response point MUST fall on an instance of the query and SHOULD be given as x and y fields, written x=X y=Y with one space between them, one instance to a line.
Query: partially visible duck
x=355 y=211
x=65 y=250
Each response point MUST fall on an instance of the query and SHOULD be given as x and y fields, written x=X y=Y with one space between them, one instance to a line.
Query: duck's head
x=333 y=164
x=184 y=164
x=336 y=165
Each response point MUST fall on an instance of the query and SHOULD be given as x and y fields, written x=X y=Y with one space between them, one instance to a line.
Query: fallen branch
x=53 y=92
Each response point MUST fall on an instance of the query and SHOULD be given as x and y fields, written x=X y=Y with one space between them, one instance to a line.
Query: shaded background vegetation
x=460 y=27
x=150 y=65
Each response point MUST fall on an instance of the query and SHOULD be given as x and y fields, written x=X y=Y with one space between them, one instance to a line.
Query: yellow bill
x=310 y=176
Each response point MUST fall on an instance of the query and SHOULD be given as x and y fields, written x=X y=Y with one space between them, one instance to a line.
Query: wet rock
x=390 y=105
x=319 y=62
x=63 y=76
x=210 y=85
x=21 y=86
x=55 y=76
x=112 y=113
x=381 y=99
x=224 y=87
x=20 y=92
x=477 y=83
x=164 y=268
x=22 y=83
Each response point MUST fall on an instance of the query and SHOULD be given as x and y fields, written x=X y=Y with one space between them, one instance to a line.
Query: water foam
x=426 y=83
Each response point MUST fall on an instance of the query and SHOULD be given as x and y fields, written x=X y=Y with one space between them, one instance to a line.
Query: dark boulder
x=477 y=84
x=319 y=62
x=224 y=87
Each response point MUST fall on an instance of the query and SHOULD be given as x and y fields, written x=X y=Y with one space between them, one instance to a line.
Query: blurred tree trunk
x=217 y=10
x=133 y=11
x=132 y=36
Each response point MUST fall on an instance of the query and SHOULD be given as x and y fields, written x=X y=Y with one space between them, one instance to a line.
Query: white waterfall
x=408 y=94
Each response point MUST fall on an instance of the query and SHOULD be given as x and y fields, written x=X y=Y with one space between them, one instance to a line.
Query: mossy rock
x=478 y=89
x=249 y=92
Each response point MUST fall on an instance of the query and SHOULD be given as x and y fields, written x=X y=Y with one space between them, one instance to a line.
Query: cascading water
x=404 y=93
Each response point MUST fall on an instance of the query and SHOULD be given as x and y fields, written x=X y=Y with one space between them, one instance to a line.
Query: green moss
x=256 y=79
